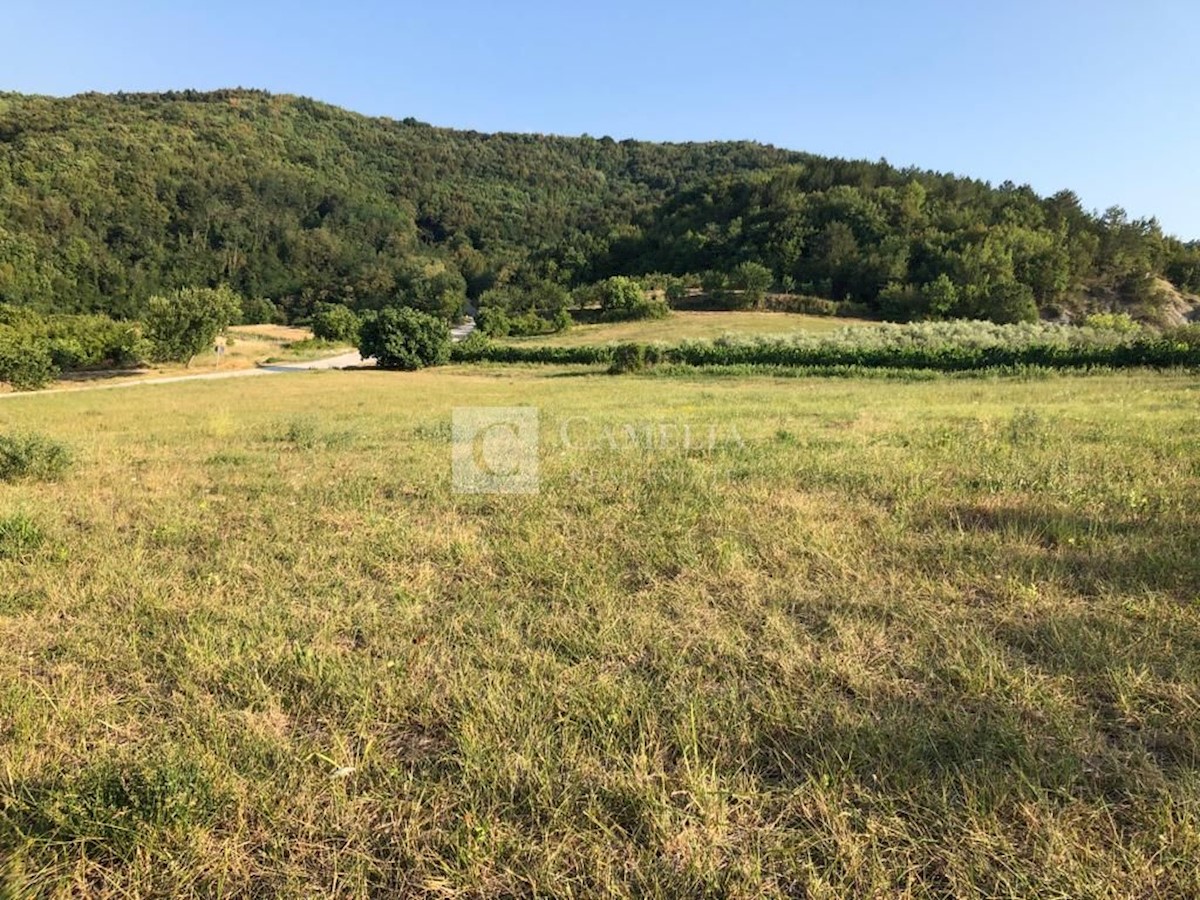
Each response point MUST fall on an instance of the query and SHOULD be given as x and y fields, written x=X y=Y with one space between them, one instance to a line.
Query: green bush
x=26 y=362
x=803 y=304
x=528 y=308
x=623 y=298
x=337 y=324
x=258 y=311
x=628 y=358
x=403 y=338
x=752 y=280
x=187 y=321
x=32 y=456
x=493 y=321
x=84 y=342
x=1119 y=322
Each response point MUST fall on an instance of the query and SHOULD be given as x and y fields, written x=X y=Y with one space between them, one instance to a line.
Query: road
x=341 y=361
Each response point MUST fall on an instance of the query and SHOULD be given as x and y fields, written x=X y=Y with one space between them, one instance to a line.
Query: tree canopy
x=109 y=200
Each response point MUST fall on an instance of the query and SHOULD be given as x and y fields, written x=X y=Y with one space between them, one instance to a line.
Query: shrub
x=802 y=303
x=188 y=320
x=79 y=342
x=336 y=323
x=628 y=358
x=1186 y=335
x=403 y=338
x=534 y=307
x=493 y=321
x=26 y=362
x=623 y=298
x=1119 y=322
x=32 y=456
x=258 y=311
x=676 y=290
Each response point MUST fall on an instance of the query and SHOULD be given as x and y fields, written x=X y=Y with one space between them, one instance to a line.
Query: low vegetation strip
x=954 y=346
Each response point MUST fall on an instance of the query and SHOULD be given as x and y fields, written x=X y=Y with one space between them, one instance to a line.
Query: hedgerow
x=944 y=346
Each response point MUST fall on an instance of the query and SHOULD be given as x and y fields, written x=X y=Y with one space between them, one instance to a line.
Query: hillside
x=106 y=200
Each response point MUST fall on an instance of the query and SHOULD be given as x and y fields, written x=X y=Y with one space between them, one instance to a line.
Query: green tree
x=404 y=338
x=940 y=297
x=753 y=279
x=258 y=311
x=25 y=360
x=187 y=321
x=336 y=323
x=1009 y=302
x=623 y=298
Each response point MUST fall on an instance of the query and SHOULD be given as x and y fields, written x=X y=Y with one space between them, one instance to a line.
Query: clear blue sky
x=1095 y=95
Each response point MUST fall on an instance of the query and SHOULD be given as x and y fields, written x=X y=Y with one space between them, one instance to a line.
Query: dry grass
x=680 y=326
x=884 y=638
x=245 y=347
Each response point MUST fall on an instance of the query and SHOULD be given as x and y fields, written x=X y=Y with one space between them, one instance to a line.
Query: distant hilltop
x=106 y=200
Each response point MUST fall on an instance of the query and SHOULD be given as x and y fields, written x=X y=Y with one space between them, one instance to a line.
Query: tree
x=185 y=322
x=25 y=361
x=336 y=323
x=623 y=298
x=258 y=311
x=1009 y=302
x=404 y=338
x=753 y=279
x=940 y=297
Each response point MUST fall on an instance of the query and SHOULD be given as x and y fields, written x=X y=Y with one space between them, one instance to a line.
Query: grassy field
x=848 y=638
x=680 y=326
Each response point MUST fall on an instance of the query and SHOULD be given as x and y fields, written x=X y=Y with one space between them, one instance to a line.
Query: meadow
x=752 y=637
x=689 y=325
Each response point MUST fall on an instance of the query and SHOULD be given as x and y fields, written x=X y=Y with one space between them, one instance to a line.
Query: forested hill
x=106 y=200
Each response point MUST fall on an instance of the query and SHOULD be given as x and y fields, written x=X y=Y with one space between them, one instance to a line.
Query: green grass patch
x=32 y=456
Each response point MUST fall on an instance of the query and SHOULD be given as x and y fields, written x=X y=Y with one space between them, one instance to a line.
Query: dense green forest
x=107 y=200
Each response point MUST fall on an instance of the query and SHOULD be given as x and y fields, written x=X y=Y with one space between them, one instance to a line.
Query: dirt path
x=341 y=361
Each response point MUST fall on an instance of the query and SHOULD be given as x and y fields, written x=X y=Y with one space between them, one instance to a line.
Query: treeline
x=106 y=201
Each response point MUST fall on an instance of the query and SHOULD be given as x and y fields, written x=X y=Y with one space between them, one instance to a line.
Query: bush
x=493 y=321
x=81 y=342
x=1010 y=302
x=31 y=456
x=258 y=311
x=623 y=298
x=628 y=358
x=187 y=321
x=1119 y=322
x=338 y=324
x=26 y=362
x=528 y=308
x=803 y=304
x=403 y=338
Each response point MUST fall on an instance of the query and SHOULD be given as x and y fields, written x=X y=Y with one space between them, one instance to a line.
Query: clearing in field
x=690 y=325
x=754 y=638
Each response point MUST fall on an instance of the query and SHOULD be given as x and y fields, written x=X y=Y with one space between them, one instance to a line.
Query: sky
x=1098 y=96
